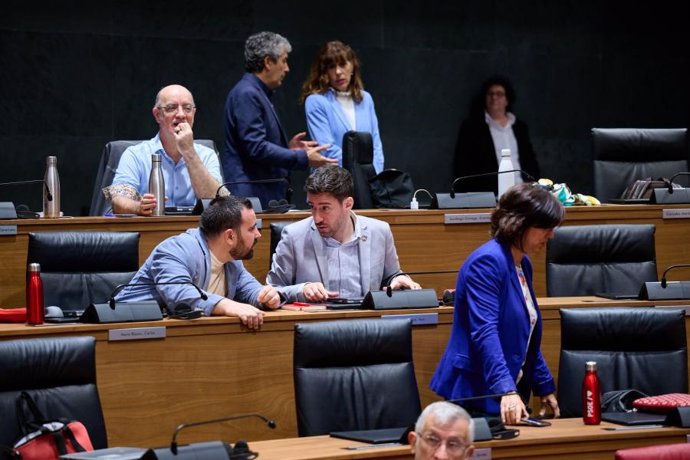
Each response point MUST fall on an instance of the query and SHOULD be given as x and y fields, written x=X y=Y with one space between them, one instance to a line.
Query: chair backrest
x=354 y=375
x=78 y=268
x=60 y=375
x=276 y=233
x=591 y=259
x=658 y=452
x=358 y=158
x=622 y=156
x=110 y=158
x=641 y=348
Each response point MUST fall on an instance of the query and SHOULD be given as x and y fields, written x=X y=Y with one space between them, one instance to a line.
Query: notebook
x=383 y=435
x=634 y=418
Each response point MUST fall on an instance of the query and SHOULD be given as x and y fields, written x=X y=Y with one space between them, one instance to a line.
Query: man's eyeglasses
x=173 y=108
x=453 y=446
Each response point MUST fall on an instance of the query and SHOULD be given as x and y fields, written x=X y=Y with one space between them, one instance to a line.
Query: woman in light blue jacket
x=335 y=101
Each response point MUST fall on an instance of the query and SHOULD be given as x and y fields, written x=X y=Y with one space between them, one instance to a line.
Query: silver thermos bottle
x=51 y=189
x=157 y=185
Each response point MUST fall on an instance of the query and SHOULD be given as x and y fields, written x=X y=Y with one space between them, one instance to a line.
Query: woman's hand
x=549 y=401
x=512 y=409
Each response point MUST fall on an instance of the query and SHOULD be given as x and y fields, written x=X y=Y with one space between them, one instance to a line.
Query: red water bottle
x=35 y=312
x=591 y=395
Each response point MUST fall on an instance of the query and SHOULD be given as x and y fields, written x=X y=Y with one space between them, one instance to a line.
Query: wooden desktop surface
x=424 y=242
x=213 y=367
x=565 y=439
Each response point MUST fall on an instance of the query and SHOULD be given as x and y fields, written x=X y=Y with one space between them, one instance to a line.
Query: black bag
x=620 y=400
x=391 y=188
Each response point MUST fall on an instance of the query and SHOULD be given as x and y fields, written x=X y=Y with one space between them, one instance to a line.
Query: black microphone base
x=213 y=449
x=674 y=290
x=663 y=196
x=465 y=200
x=7 y=210
x=407 y=298
x=100 y=313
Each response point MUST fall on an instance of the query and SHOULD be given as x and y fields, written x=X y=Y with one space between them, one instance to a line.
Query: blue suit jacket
x=256 y=146
x=327 y=124
x=301 y=257
x=489 y=339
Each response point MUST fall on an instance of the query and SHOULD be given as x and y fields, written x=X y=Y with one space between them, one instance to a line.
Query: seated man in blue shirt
x=210 y=258
x=190 y=170
x=335 y=253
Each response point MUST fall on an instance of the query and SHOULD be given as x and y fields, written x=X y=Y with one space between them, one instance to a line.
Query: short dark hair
x=223 y=212
x=330 y=179
x=523 y=206
x=263 y=44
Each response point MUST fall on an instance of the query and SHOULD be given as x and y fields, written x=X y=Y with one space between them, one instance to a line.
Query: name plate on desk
x=683 y=213
x=417 y=319
x=136 y=333
x=8 y=229
x=467 y=218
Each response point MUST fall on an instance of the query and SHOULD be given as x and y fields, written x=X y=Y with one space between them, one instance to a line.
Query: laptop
x=634 y=418
x=380 y=436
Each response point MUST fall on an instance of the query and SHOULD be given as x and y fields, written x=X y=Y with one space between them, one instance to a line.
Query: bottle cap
x=155 y=157
x=34 y=267
x=51 y=160
x=591 y=365
x=505 y=152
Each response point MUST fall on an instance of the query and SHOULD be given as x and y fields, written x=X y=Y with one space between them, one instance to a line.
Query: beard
x=242 y=252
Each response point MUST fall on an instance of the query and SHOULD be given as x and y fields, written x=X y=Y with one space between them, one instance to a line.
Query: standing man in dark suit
x=256 y=146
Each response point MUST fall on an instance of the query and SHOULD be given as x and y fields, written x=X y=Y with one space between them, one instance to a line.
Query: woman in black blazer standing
x=490 y=128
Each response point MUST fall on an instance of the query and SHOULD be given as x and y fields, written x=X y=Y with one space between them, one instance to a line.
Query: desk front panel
x=424 y=242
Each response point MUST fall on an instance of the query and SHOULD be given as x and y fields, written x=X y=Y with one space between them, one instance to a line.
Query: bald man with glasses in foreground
x=190 y=170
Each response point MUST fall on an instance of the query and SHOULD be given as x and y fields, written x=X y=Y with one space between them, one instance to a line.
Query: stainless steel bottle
x=157 y=184
x=51 y=189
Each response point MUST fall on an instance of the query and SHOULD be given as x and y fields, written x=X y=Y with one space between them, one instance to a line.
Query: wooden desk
x=566 y=439
x=213 y=367
x=424 y=242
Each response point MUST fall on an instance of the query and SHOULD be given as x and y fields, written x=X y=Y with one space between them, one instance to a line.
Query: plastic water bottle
x=51 y=189
x=505 y=180
x=157 y=184
x=35 y=310
x=591 y=395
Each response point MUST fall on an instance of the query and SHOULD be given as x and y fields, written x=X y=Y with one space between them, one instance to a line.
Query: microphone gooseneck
x=493 y=173
x=256 y=181
x=669 y=183
x=664 y=283
x=111 y=300
x=32 y=181
x=173 y=444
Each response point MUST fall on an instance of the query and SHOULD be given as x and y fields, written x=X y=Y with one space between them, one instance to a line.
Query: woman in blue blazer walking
x=494 y=346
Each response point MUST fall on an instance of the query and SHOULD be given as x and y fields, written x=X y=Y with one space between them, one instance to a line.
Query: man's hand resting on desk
x=404 y=282
x=317 y=292
x=250 y=316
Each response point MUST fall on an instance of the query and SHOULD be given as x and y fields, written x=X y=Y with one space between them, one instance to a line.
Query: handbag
x=391 y=188
x=620 y=400
x=47 y=439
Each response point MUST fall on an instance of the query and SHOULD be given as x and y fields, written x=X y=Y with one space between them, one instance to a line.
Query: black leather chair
x=622 y=156
x=592 y=259
x=60 y=375
x=354 y=375
x=276 y=233
x=78 y=268
x=358 y=157
x=107 y=167
x=640 y=348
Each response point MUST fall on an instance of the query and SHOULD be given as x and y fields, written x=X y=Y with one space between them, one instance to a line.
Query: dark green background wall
x=74 y=75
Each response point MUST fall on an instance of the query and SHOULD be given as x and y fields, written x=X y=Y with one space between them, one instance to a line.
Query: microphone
x=654 y=290
x=664 y=283
x=203 y=203
x=146 y=310
x=669 y=184
x=241 y=444
x=672 y=193
x=495 y=173
x=7 y=209
x=120 y=287
x=388 y=299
